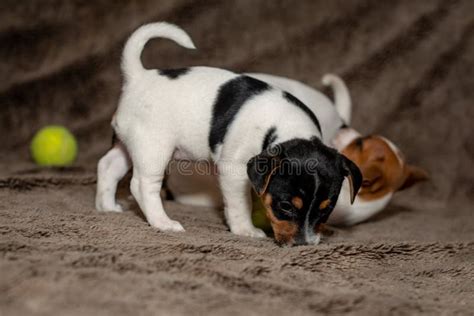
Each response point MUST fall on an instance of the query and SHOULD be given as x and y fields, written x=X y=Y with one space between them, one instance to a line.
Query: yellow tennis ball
x=259 y=216
x=53 y=145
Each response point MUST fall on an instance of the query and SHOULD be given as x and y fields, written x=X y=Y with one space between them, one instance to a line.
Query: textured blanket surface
x=410 y=68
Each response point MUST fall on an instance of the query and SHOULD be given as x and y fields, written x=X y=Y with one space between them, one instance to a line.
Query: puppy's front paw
x=168 y=226
x=249 y=232
x=102 y=207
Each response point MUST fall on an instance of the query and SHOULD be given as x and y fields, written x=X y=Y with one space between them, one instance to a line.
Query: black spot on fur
x=343 y=126
x=359 y=142
x=303 y=107
x=173 y=73
x=270 y=137
x=114 y=139
x=231 y=97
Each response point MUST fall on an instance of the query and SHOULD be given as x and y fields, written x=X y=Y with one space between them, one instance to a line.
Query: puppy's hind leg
x=150 y=160
x=110 y=170
x=238 y=202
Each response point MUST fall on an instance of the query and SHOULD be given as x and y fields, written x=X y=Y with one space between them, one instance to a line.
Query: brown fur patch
x=267 y=200
x=379 y=165
x=324 y=204
x=284 y=231
x=297 y=202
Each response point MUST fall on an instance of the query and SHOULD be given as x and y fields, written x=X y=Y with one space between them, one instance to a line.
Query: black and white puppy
x=250 y=130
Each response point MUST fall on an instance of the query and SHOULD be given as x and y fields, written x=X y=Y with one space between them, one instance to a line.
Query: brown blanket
x=410 y=68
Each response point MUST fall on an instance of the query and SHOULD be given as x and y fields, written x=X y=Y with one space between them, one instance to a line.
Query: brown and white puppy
x=384 y=169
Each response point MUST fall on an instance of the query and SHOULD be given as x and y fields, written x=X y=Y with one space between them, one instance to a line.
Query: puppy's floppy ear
x=413 y=174
x=354 y=175
x=260 y=170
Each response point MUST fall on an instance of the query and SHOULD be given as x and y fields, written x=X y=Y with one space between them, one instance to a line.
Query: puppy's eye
x=369 y=182
x=285 y=206
x=284 y=211
x=366 y=183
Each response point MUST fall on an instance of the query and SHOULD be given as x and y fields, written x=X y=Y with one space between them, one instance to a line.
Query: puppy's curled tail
x=342 y=99
x=131 y=62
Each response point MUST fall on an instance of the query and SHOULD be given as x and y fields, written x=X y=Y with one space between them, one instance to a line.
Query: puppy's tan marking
x=267 y=200
x=297 y=202
x=324 y=204
x=284 y=231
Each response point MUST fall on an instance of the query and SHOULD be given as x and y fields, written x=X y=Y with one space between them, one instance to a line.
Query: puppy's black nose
x=300 y=241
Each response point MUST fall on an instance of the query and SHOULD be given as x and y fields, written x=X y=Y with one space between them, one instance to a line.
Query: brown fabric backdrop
x=409 y=66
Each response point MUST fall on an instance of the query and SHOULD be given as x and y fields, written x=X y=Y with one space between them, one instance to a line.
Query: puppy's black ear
x=260 y=170
x=353 y=173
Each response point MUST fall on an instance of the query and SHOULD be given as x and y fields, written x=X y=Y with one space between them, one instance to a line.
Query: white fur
x=346 y=214
x=158 y=118
x=331 y=115
x=111 y=168
x=342 y=98
x=343 y=138
x=131 y=65
x=395 y=149
x=317 y=102
x=157 y=121
x=330 y=120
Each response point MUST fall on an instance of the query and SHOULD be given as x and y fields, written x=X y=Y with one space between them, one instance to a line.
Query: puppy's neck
x=289 y=130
